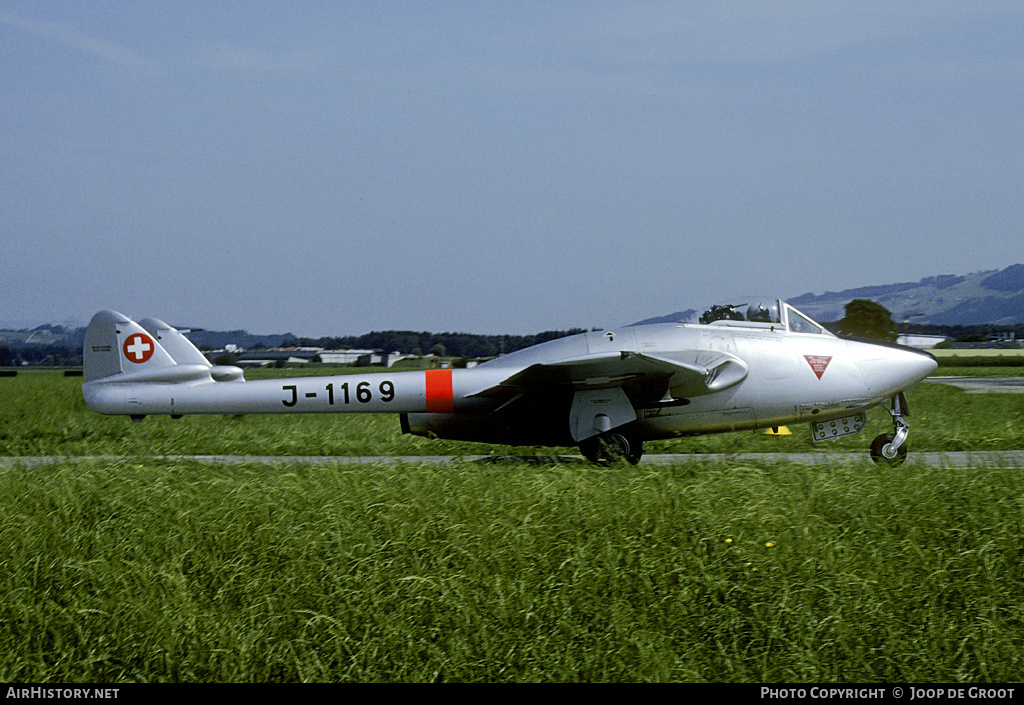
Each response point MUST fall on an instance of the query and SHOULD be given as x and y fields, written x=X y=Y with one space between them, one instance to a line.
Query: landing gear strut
x=611 y=447
x=891 y=448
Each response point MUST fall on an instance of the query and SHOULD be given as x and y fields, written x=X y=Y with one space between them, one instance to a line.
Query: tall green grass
x=120 y=571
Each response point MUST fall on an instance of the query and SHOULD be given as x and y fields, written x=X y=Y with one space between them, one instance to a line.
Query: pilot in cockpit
x=759 y=313
x=725 y=312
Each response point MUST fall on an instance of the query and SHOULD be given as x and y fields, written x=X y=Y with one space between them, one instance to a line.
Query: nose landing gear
x=891 y=448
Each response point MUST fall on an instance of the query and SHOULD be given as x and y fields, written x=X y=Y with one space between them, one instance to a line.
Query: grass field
x=1014 y=354
x=135 y=569
x=1002 y=362
x=182 y=571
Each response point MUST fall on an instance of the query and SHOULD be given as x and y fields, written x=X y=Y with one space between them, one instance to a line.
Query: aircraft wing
x=687 y=373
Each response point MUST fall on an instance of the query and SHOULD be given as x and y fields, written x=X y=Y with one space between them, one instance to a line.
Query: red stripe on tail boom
x=439 y=391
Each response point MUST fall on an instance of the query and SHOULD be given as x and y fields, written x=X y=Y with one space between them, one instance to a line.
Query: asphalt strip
x=961 y=459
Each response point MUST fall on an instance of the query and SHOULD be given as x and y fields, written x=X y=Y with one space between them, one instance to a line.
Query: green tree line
x=466 y=345
x=42 y=355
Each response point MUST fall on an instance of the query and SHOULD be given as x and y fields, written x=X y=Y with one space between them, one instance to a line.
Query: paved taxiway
x=1014 y=385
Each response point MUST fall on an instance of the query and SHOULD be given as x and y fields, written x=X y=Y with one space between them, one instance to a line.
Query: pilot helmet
x=760 y=312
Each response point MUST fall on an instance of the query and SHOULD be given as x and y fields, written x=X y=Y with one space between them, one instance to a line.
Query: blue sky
x=508 y=167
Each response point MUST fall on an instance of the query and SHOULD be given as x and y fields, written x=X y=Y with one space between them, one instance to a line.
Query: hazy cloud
x=71 y=37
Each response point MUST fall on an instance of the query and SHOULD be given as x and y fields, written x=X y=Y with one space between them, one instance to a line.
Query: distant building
x=922 y=342
x=262 y=358
x=351 y=357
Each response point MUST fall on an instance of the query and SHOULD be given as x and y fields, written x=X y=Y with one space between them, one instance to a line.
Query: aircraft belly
x=531 y=424
x=732 y=410
x=713 y=421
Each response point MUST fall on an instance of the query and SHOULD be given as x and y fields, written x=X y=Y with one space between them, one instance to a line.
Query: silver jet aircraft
x=760 y=364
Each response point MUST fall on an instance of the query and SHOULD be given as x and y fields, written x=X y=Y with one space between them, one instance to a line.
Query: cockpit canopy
x=756 y=312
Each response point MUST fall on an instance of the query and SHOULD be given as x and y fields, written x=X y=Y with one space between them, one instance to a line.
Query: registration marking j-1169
x=363 y=392
x=429 y=391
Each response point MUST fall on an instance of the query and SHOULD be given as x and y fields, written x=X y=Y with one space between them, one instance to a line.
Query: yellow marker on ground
x=778 y=431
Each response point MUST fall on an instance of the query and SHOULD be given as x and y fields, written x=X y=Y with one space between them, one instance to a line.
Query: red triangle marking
x=818 y=363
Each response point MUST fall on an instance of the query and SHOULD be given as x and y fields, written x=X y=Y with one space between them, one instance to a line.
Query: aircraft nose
x=914 y=365
x=888 y=368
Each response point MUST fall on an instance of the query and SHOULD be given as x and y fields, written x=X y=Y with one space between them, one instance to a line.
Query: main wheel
x=878 y=446
x=612 y=447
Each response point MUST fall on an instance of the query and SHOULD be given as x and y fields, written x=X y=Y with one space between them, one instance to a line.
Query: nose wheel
x=891 y=448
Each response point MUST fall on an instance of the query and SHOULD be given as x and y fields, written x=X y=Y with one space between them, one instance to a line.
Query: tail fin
x=180 y=348
x=117 y=349
x=115 y=344
x=183 y=352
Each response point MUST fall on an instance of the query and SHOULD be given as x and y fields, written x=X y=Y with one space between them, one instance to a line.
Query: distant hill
x=994 y=297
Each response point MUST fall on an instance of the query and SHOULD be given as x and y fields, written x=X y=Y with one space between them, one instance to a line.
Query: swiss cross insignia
x=138 y=347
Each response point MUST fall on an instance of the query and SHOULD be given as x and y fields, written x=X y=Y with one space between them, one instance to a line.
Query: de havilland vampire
x=760 y=364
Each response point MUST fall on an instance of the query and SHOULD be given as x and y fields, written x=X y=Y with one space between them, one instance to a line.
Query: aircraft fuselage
x=727 y=371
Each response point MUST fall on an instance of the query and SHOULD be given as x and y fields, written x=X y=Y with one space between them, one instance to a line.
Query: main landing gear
x=611 y=447
x=891 y=448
